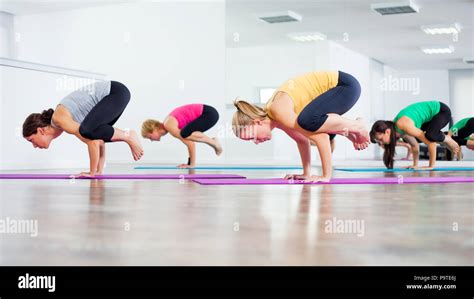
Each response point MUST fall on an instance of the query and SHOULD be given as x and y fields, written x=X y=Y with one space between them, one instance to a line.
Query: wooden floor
x=167 y=222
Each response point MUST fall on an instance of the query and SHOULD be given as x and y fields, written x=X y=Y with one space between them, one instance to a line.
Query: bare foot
x=361 y=132
x=470 y=142
x=353 y=138
x=451 y=144
x=217 y=146
x=359 y=136
x=135 y=145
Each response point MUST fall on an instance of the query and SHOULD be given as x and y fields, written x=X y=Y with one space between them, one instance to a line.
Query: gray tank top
x=80 y=102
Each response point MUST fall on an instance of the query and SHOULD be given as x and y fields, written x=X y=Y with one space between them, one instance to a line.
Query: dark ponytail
x=37 y=120
x=381 y=126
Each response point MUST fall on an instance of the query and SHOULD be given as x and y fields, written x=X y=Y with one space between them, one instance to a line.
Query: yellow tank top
x=305 y=88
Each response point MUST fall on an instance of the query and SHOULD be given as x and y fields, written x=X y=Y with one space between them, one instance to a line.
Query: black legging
x=338 y=100
x=464 y=132
x=98 y=123
x=207 y=120
x=433 y=127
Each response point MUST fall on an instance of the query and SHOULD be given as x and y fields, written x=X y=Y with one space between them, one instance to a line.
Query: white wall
x=6 y=34
x=166 y=53
x=461 y=85
x=405 y=87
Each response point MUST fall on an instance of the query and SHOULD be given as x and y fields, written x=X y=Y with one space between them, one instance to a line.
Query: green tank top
x=419 y=113
x=459 y=125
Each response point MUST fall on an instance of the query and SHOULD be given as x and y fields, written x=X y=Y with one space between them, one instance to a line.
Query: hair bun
x=46 y=115
x=236 y=103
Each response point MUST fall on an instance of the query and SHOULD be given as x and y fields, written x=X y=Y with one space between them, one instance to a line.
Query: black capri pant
x=463 y=133
x=338 y=100
x=207 y=120
x=433 y=127
x=98 y=124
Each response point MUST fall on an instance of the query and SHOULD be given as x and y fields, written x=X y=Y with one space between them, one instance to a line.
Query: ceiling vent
x=281 y=17
x=468 y=60
x=394 y=8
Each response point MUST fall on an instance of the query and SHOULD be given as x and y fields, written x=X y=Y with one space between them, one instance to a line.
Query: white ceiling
x=393 y=39
x=24 y=7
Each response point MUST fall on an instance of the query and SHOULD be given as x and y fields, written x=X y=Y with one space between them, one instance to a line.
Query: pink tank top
x=186 y=114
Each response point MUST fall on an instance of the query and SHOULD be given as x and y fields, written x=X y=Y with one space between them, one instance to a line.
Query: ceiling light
x=442 y=29
x=437 y=49
x=307 y=36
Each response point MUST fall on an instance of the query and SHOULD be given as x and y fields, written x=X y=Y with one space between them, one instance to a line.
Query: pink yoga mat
x=121 y=176
x=394 y=180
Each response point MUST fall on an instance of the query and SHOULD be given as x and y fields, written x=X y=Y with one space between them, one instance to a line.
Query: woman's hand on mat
x=409 y=167
x=423 y=167
x=84 y=174
x=315 y=179
x=185 y=166
x=296 y=177
x=307 y=178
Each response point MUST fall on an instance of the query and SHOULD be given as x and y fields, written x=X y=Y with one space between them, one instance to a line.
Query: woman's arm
x=171 y=125
x=100 y=168
x=66 y=123
x=414 y=148
x=324 y=148
x=403 y=144
x=94 y=157
x=191 y=152
x=408 y=127
x=283 y=111
x=432 y=151
x=304 y=148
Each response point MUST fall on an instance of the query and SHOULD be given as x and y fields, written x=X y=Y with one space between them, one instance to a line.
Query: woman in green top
x=463 y=132
x=422 y=121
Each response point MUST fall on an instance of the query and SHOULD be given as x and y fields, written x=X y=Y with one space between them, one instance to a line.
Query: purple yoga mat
x=393 y=180
x=17 y=176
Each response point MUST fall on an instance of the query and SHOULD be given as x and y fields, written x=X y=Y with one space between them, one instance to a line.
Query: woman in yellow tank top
x=308 y=108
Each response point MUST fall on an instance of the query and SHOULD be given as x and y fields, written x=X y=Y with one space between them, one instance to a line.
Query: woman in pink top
x=187 y=123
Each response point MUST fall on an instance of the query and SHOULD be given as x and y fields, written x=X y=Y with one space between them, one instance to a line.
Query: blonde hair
x=244 y=116
x=149 y=126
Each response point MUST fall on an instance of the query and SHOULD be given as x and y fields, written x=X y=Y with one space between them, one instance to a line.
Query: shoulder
x=61 y=114
x=403 y=121
x=170 y=122
x=282 y=103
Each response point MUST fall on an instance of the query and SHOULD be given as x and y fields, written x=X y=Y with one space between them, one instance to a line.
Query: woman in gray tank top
x=89 y=114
